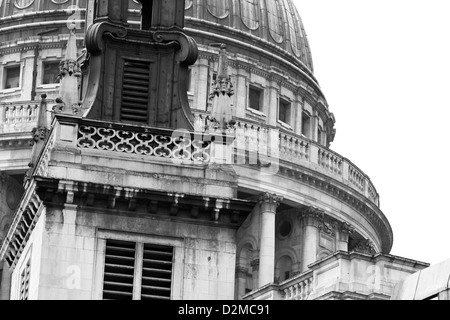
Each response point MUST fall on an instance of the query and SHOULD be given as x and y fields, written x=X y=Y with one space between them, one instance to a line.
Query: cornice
x=21 y=47
x=338 y=191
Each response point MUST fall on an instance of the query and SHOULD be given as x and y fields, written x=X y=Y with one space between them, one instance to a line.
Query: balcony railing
x=20 y=117
x=254 y=144
x=261 y=141
x=179 y=146
x=297 y=288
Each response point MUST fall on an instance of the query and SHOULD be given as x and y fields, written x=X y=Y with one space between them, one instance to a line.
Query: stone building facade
x=131 y=189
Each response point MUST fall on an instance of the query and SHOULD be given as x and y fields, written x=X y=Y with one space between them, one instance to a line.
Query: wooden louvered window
x=156 y=272
x=119 y=270
x=137 y=271
x=25 y=281
x=135 y=91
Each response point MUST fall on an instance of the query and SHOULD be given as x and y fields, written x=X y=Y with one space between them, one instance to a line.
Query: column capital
x=269 y=202
x=311 y=216
x=270 y=198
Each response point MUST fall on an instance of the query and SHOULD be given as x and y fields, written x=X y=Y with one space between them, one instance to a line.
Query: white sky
x=384 y=67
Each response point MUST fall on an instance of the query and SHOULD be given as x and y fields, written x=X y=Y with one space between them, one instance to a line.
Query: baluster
x=28 y=113
x=309 y=287
x=7 y=114
x=329 y=162
x=302 y=294
x=263 y=146
x=291 y=292
x=295 y=149
x=12 y=114
x=296 y=289
x=253 y=146
x=33 y=113
x=20 y=114
x=300 y=149
x=286 y=294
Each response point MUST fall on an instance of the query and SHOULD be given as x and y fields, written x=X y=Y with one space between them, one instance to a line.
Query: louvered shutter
x=135 y=91
x=156 y=272
x=119 y=270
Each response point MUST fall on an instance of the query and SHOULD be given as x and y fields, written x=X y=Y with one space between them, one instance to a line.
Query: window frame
x=140 y=240
x=53 y=84
x=7 y=67
x=286 y=102
x=309 y=134
x=260 y=90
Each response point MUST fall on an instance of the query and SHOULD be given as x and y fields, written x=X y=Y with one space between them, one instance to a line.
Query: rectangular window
x=12 y=77
x=135 y=271
x=284 y=111
x=25 y=281
x=320 y=136
x=119 y=270
x=156 y=272
x=306 y=125
x=135 y=91
x=255 y=98
x=50 y=72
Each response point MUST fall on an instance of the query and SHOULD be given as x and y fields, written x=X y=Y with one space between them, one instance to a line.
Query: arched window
x=245 y=281
x=284 y=268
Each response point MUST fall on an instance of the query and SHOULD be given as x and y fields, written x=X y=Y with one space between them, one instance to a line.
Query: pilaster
x=345 y=230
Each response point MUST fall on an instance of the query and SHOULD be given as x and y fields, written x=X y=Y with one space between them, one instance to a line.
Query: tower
x=132 y=196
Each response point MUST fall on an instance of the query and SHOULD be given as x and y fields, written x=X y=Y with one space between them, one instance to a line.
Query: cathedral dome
x=274 y=25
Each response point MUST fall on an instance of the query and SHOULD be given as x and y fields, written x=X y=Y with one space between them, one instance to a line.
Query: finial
x=70 y=72
x=222 y=89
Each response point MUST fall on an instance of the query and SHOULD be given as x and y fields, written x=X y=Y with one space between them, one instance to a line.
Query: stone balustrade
x=20 y=117
x=254 y=142
x=341 y=276
x=298 y=288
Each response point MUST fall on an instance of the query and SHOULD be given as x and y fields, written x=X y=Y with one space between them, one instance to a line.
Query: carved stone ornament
x=327 y=228
x=222 y=90
x=242 y=271
x=364 y=246
x=69 y=68
x=60 y=107
x=255 y=264
x=347 y=228
x=39 y=134
x=270 y=198
x=312 y=215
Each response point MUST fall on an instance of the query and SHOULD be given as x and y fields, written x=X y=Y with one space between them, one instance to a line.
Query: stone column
x=268 y=209
x=5 y=282
x=344 y=232
x=310 y=219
